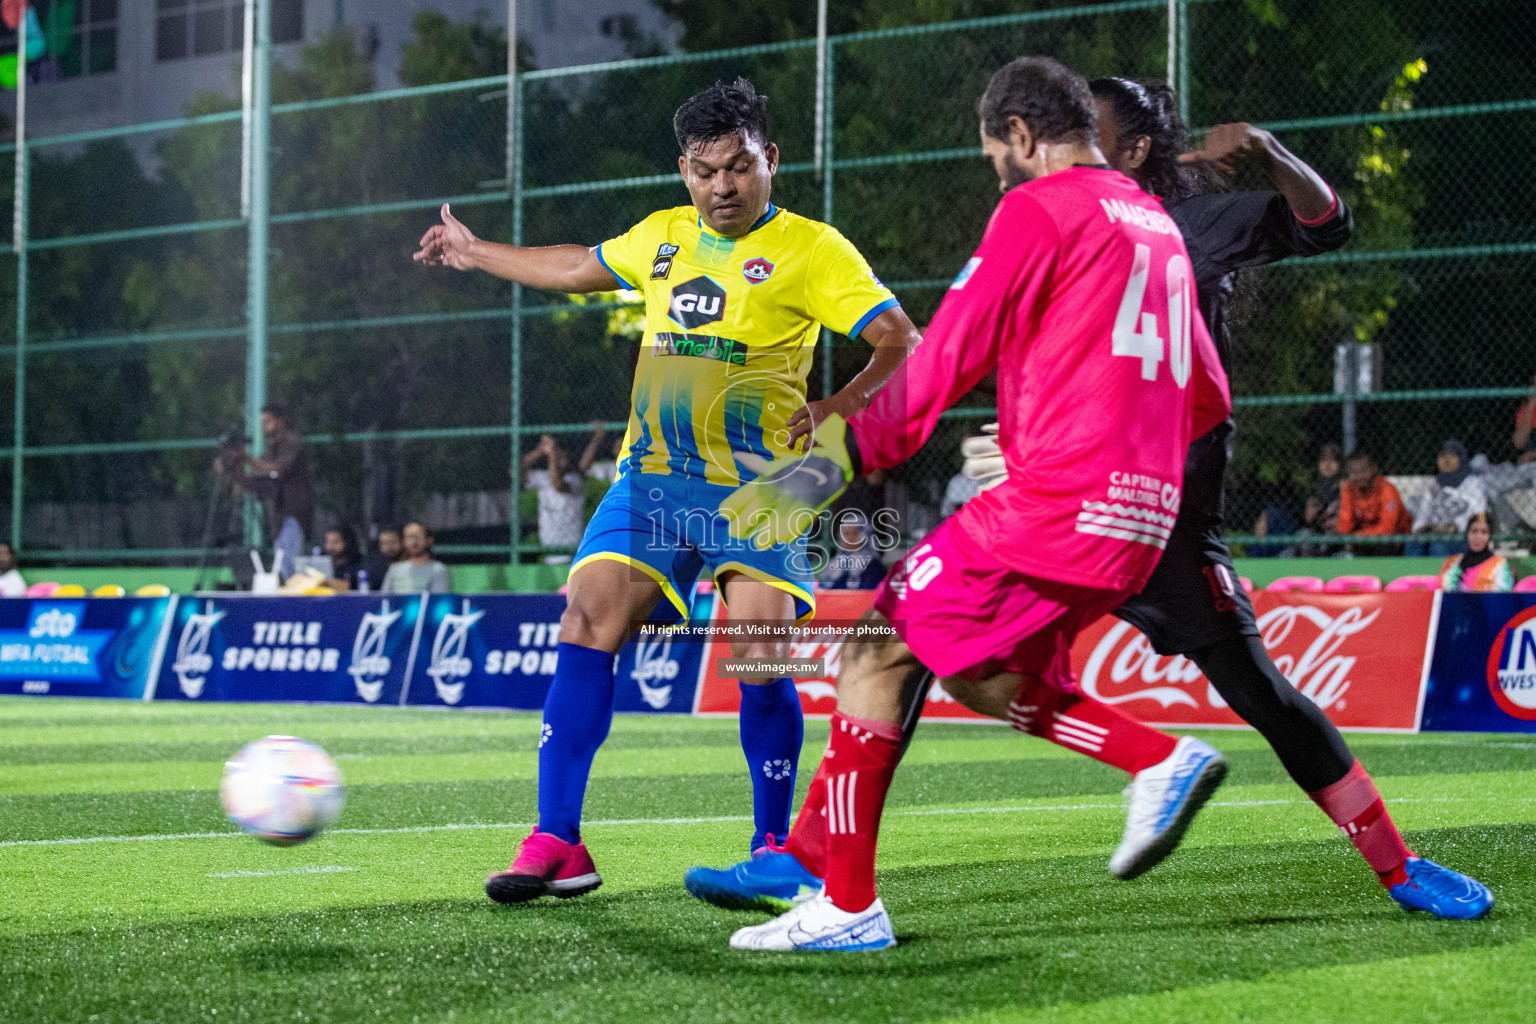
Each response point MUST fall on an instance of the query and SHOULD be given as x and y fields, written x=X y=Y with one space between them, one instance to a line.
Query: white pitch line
x=288 y=871
x=476 y=826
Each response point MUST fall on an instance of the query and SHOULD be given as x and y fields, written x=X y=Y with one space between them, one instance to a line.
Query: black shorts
x=1193 y=598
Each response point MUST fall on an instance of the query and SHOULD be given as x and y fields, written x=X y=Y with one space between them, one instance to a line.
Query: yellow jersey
x=731 y=326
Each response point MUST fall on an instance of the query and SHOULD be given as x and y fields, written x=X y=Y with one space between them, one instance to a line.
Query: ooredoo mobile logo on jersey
x=1512 y=666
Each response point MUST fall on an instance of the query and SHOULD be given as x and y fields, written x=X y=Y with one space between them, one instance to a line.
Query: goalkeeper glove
x=780 y=504
x=984 y=458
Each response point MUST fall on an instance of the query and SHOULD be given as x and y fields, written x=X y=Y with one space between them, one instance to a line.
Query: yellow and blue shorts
x=670 y=527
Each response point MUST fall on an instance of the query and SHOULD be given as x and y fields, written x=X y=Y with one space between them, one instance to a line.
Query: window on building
x=79 y=37
x=196 y=28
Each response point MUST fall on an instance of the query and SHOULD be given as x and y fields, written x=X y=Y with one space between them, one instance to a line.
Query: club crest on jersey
x=663 y=263
x=696 y=303
x=757 y=271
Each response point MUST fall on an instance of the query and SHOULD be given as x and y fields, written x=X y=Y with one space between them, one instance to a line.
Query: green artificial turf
x=125 y=896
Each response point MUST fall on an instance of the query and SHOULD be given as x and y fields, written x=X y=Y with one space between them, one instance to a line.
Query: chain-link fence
x=418 y=391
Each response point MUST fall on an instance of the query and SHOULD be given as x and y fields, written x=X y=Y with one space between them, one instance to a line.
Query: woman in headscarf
x=857 y=565
x=1450 y=501
x=1478 y=568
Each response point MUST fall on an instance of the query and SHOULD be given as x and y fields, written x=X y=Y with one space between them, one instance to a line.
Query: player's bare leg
x=606 y=600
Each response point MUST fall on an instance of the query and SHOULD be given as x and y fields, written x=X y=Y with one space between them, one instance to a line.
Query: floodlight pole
x=515 y=196
x=258 y=228
x=19 y=240
x=821 y=87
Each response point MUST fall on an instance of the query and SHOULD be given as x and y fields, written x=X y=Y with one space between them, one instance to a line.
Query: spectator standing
x=593 y=463
x=857 y=565
x=386 y=552
x=346 y=560
x=1321 y=514
x=1369 y=505
x=280 y=475
x=418 y=572
x=560 y=499
x=11 y=583
x=1478 y=568
x=1450 y=501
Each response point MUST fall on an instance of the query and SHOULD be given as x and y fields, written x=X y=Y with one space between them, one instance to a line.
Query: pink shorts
x=965 y=615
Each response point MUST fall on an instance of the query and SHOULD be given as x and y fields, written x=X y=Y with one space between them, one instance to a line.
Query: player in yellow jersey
x=736 y=292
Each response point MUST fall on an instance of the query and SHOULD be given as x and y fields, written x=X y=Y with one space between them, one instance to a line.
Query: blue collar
x=768 y=215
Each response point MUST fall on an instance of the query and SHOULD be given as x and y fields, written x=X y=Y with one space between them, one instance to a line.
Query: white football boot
x=819 y=924
x=1164 y=799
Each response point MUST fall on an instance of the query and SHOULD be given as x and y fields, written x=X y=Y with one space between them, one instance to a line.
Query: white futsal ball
x=282 y=790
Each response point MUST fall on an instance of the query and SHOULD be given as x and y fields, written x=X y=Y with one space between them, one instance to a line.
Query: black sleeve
x=1233 y=230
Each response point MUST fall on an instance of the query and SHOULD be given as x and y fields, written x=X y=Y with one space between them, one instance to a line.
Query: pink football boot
x=545 y=865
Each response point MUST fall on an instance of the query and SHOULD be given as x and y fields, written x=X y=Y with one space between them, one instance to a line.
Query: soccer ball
x=282 y=790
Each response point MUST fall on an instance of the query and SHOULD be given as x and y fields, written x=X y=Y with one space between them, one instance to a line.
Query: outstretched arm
x=556 y=268
x=893 y=337
x=1229 y=145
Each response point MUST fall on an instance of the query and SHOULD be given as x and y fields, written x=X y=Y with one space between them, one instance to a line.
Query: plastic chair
x=1246 y=583
x=1352 y=585
x=1310 y=584
x=1526 y=586
x=109 y=590
x=42 y=589
x=153 y=590
x=1413 y=583
x=70 y=590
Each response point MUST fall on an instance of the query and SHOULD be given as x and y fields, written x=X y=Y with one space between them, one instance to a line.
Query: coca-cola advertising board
x=1362 y=658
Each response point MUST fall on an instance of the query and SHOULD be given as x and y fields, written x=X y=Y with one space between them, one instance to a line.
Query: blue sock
x=772 y=729
x=577 y=714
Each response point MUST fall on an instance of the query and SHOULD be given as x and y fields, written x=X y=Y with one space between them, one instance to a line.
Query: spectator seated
x=1310 y=584
x=1403 y=583
x=1352 y=585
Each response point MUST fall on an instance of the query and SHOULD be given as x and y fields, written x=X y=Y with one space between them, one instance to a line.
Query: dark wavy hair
x=1151 y=109
x=1049 y=97
x=721 y=110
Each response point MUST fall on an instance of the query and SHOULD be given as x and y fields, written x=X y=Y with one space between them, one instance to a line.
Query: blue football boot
x=1441 y=891
x=772 y=881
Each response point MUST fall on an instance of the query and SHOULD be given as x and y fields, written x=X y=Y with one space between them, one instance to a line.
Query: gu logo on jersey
x=193 y=662
x=654 y=664
x=662 y=266
x=757 y=271
x=696 y=303
x=369 y=663
x=1512 y=666
x=449 y=665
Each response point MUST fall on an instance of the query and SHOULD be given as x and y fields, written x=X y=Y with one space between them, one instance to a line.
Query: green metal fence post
x=828 y=378
x=514 y=515
x=1182 y=82
x=258 y=230
x=23 y=188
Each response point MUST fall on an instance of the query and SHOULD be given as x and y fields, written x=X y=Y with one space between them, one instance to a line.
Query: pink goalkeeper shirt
x=1078 y=284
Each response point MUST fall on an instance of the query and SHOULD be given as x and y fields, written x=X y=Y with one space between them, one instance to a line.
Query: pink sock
x=1083 y=724
x=857 y=771
x=1354 y=805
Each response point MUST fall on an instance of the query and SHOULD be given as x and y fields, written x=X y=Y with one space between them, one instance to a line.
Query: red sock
x=856 y=772
x=1357 y=808
x=1083 y=724
x=807 y=840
